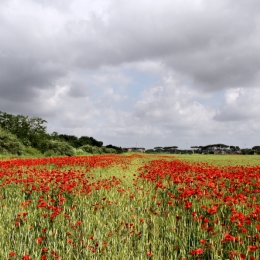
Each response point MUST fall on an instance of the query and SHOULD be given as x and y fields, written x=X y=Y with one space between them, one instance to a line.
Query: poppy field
x=129 y=207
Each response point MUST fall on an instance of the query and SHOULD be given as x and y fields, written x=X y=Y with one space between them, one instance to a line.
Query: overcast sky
x=146 y=73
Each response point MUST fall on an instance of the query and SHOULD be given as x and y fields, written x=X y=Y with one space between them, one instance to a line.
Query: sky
x=135 y=73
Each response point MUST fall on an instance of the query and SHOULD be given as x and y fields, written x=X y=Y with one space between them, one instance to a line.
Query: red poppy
x=252 y=248
x=39 y=240
x=198 y=251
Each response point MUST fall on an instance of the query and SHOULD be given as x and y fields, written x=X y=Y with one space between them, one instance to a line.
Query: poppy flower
x=198 y=251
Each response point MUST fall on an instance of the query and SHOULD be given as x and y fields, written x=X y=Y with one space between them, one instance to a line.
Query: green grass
x=128 y=221
x=221 y=159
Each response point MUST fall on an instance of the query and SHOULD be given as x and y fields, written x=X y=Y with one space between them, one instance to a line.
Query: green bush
x=97 y=150
x=58 y=148
x=86 y=148
x=29 y=150
x=50 y=153
x=79 y=151
x=150 y=151
x=109 y=150
x=9 y=143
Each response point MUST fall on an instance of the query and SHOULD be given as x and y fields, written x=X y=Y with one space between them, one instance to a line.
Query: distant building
x=136 y=149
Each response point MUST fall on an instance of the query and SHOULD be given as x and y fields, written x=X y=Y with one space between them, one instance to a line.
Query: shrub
x=109 y=150
x=118 y=149
x=150 y=151
x=86 y=148
x=79 y=151
x=28 y=150
x=50 y=153
x=96 y=150
x=59 y=148
x=9 y=143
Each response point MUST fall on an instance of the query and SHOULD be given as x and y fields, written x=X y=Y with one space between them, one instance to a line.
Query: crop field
x=130 y=207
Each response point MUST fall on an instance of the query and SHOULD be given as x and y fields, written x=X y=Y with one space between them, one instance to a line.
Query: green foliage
x=256 y=149
x=150 y=151
x=28 y=130
x=31 y=133
x=79 y=151
x=97 y=150
x=70 y=139
x=118 y=149
x=159 y=149
x=50 y=153
x=234 y=148
x=211 y=146
x=247 y=151
x=29 y=150
x=92 y=149
x=84 y=140
x=9 y=143
x=86 y=148
x=58 y=148
x=109 y=150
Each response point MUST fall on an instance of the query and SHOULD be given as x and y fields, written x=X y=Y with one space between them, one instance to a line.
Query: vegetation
x=129 y=207
x=28 y=137
x=159 y=149
x=55 y=147
x=21 y=135
x=9 y=143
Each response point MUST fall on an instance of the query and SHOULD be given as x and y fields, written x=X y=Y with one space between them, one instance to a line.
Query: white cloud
x=143 y=71
x=240 y=104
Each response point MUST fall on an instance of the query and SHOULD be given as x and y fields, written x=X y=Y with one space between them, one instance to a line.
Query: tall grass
x=127 y=207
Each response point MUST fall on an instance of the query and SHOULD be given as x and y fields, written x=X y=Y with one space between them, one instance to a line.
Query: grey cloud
x=79 y=89
x=63 y=5
x=232 y=115
x=173 y=106
x=214 y=45
x=29 y=59
x=21 y=77
x=217 y=47
x=240 y=105
x=210 y=44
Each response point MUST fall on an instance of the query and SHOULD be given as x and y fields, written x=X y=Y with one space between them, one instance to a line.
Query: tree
x=28 y=130
x=170 y=149
x=256 y=149
x=59 y=148
x=70 y=139
x=150 y=151
x=54 y=136
x=234 y=148
x=9 y=143
x=116 y=148
x=83 y=140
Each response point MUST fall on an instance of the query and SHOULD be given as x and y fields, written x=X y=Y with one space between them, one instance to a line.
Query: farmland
x=130 y=207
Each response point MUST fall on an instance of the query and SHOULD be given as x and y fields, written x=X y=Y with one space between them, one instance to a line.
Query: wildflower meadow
x=130 y=207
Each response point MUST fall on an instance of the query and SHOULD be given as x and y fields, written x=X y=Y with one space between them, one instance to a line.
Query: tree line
x=207 y=149
x=21 y=134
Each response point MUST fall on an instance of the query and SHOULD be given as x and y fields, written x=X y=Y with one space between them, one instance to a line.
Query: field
x=130 y=207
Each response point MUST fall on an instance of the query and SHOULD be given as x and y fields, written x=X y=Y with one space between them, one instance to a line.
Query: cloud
x=216 y=45
x=134 y=71
x=172 y=104
x=240 y=104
